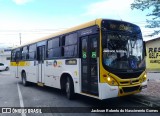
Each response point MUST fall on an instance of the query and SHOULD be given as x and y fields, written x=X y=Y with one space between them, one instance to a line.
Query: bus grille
x=130 y=89
x=128 y=75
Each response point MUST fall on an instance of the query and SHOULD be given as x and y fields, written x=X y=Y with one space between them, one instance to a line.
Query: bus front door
x=40 y=67
x=89 y=70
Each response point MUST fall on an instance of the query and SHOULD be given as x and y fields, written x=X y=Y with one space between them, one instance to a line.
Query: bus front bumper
x=107 y=91
x=132 y=89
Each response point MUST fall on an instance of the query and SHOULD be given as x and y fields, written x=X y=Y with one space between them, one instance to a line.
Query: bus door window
x=84 y=49
x=43 y=52
x=89 y=64
x=93 y=55
x=84 y=56
x=40 y=54
x=93 y=64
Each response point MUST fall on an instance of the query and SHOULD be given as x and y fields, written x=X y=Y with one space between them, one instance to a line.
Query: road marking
x=20 y=99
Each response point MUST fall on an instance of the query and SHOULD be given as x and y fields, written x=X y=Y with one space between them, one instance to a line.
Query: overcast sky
x=39 y=18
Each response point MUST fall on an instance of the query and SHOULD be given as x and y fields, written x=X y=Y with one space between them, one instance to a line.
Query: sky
x=33 y=19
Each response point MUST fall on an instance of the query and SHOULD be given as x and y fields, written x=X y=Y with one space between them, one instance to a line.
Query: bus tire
x=69 y=89
x=24 y=80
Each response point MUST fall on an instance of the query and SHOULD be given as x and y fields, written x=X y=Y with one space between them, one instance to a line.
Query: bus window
x=18 y=56
x=53 y=49
x=25 y=53
x=70 y=51
x=70 y=48
x=13 y=56
x=32 y=52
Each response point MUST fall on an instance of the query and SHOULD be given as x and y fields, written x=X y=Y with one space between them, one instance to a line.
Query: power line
x=31 y=30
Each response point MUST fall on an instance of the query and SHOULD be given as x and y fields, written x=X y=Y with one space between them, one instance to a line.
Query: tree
x=154 y=5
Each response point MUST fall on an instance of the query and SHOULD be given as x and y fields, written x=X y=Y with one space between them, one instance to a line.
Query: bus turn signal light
x=143 y=78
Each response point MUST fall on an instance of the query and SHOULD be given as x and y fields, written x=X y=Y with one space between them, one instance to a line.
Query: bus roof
x=85 y=25
x=82 y=26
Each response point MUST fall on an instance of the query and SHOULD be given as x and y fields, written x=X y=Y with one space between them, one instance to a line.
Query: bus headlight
x=110 y=80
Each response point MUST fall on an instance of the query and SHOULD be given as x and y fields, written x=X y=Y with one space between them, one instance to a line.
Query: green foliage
x=155 y=13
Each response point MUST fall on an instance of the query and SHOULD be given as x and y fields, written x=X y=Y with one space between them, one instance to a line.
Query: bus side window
x=13 y=56
x=53 y=48
x=32 y=52
x=70 y=48
x=62 y=44
x=62 y=51
x=25 y=55
x=18 y=56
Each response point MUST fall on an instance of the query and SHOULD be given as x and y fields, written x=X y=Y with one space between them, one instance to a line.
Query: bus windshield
x=122 y=50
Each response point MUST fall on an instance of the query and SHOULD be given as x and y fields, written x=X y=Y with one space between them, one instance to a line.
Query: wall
x=153 y=55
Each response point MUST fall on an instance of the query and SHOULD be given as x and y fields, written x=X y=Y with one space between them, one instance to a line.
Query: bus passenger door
x=40 y=66
x=89 y=67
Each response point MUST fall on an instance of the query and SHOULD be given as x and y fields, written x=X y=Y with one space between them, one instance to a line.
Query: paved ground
x=34 y=96
x=153 y=76
x=153 y=89
x=151 y=96
x=153 y=85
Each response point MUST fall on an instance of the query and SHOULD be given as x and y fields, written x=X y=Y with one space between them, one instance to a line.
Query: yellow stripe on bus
x=21 y=63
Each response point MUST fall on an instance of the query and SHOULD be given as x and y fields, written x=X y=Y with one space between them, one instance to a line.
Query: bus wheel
x=69 y=89
x=24 y=80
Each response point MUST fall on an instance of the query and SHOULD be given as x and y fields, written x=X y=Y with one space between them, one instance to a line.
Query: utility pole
x=20 y=38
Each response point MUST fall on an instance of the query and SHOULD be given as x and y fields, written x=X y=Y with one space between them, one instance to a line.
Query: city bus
x=102 y=59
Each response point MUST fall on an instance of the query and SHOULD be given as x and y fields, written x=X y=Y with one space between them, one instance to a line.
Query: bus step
x=40 y=84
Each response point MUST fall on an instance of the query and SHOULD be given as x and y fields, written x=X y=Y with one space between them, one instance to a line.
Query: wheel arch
x=63 y=80
x=23 y=71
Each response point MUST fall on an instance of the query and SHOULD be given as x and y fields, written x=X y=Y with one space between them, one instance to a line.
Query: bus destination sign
x=119 y=26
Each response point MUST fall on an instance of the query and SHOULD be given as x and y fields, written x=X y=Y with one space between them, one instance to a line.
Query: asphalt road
x=14 y=94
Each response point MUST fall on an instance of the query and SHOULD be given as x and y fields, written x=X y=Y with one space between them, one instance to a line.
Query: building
x=5 y=55
x=153 y=55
